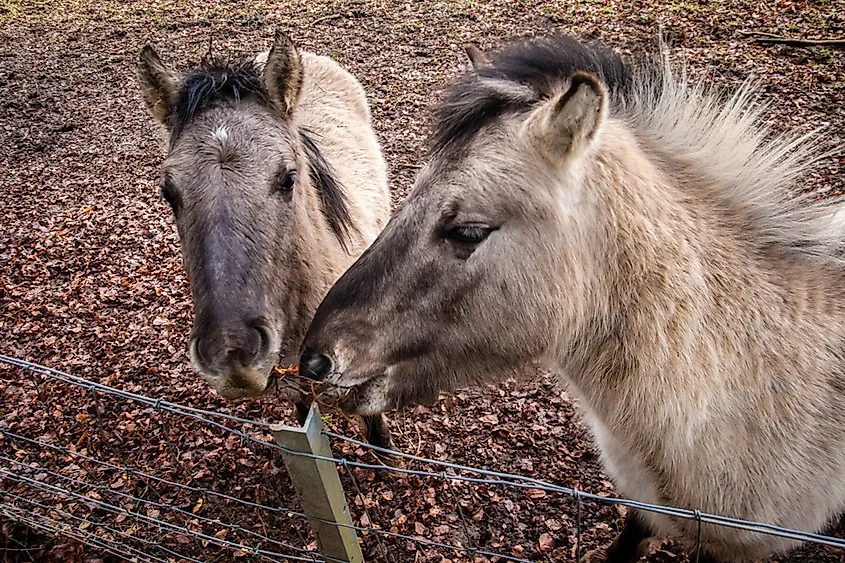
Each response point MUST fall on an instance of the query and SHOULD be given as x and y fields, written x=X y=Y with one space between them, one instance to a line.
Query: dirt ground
x=92 y=280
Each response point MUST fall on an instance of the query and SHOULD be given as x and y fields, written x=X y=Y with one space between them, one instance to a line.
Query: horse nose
x=245 y=347
x=315 y=367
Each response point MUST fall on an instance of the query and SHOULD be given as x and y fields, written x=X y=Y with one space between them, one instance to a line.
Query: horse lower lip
x=353 y=391
x=234 y=396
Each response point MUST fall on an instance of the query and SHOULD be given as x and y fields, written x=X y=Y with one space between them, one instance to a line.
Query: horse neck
x=317 y=258
x=686 y=302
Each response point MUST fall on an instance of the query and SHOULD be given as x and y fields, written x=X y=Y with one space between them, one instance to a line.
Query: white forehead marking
x=220 y=135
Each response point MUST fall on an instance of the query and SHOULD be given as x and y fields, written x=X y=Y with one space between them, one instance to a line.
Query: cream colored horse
x=642 y=237
x=277 y=184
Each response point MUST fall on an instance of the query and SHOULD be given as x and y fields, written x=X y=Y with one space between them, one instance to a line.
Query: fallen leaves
x=546 y=542
x=553 y=524
x=92 y=280
x=536 y=493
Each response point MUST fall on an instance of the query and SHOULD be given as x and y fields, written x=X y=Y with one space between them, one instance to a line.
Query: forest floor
x=92 y=282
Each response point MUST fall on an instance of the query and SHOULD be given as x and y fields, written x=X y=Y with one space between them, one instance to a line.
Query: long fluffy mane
x=719 y=139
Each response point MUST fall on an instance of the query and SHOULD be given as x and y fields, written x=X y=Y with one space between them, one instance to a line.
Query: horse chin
x=253 y=384
x=368 y=398
x=381 y=393
x=237 y=393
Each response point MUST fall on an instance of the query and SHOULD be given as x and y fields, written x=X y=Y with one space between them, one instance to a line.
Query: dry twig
x=324 y=18
x=771 y=39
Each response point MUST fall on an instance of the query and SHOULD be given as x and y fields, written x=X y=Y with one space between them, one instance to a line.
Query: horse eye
x=288 y=181
x=469 y=234
x=170 y=195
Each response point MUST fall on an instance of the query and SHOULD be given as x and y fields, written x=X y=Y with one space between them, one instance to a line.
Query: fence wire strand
x=175 y=509
x=488 y=477
x=286 y=511
x=104 y=527
x=46 y=487
x=22 y=517
x=146 y=476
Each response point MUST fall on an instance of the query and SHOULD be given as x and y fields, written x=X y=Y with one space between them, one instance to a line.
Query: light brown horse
x=277 y=184
x=643 y=238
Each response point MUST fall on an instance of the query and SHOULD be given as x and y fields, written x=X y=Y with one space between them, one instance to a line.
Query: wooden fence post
x=318 y=486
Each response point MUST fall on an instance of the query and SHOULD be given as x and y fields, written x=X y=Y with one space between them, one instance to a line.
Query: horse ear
x=567 y=123
x=283 y=74
x=159 y=85
x=477 y=57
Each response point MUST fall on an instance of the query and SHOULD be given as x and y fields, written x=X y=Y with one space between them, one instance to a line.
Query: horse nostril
x=316 y=367
x=197 y=353
x=252 y=348
x=264 y=342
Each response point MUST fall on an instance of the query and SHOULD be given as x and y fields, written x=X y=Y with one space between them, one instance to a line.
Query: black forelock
x=213 y=83
x=541 y=65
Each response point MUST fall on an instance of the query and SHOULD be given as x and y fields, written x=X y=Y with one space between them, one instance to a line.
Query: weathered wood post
x=318 y=486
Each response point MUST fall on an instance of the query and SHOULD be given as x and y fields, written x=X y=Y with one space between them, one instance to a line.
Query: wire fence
x=144 y=507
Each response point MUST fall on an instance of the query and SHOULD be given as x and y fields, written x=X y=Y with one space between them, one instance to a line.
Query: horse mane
x=223 y=83
x=520 y=77
x=720 y=141
x=332 y=197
